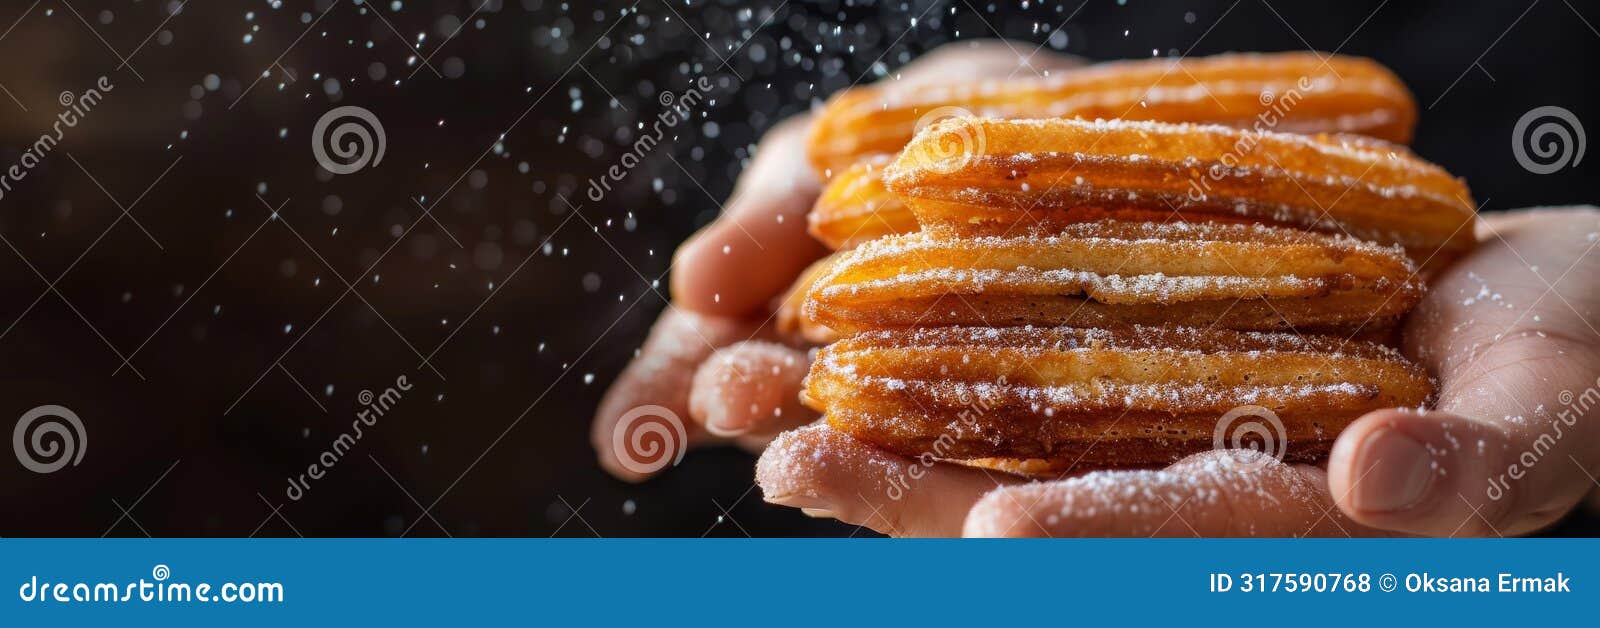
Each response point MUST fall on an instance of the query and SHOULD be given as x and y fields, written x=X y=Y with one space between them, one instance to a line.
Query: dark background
x=248 y=361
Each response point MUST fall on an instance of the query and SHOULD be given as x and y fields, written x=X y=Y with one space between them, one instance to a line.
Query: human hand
x=1509 y=330
x=713 y=356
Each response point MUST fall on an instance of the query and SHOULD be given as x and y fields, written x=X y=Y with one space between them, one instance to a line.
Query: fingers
x=829 y=474
x=1421 y=472
x=750 y=389
x=661 y=376
x=737 y=264
x=1208 y=494
x=1510 y=332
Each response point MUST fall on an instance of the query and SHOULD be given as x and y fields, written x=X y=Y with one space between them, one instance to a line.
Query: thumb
x=1508 y=331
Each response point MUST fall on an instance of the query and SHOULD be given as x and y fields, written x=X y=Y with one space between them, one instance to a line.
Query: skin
x=1510 y=330
x=726 y=279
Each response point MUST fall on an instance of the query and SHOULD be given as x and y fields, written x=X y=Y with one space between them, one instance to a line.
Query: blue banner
x=710 y=582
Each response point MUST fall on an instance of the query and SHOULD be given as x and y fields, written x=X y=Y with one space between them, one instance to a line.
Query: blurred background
x=178 y=268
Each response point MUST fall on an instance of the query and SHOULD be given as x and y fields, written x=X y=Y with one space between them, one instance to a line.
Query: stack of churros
x=1096 y=268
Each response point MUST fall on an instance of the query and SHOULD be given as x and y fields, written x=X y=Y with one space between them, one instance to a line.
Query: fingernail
x=724 y=425
x=819 y=513
x=1399 y=471
x=793 y=500
x=708 y=401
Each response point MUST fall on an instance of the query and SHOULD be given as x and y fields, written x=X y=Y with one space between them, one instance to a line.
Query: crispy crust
x=964 y=175
x=1155 y=242
x=1111 y=273
x=1291 y=92
x=855 y=207
x=790 y=318
x=1127 y=396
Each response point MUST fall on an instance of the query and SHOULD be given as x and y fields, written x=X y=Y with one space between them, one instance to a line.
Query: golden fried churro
x=790 y=315
x=1109 y=273
x=855 y=207
x=1026 y=467
x=1063 y=171
x=1290 y=92
x=1126 y=396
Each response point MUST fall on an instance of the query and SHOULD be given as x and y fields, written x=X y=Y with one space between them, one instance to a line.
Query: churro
x=790 y=315
x=855 y=207
x=1125 y=396
x=1109 y=273
x=1297 y=92
x=969 y=175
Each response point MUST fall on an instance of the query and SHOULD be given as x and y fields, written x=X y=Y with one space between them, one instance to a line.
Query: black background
x=202 y=442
